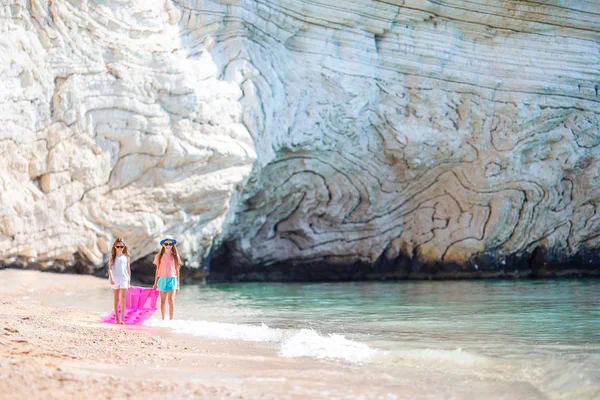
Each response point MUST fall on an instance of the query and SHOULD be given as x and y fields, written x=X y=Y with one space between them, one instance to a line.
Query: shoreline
x=189 y=278
x=67 y=353
x=53 y=345
x=228 y=262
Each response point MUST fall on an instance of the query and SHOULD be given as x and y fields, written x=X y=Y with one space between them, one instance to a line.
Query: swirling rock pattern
x=410 y=139
x=324 y=139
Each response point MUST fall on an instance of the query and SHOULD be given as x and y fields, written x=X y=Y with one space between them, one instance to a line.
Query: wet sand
x=51 y=352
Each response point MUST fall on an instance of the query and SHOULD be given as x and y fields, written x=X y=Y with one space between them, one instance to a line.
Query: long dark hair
x=173 y=251
x=113 y=251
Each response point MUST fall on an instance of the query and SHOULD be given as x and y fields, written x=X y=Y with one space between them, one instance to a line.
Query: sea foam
x=308 y=343
x=292 y=343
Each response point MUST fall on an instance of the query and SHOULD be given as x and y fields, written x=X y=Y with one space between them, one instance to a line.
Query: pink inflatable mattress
x=141 y=304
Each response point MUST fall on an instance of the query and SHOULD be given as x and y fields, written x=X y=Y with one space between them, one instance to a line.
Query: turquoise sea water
x=481 y=313
x=543 y=334
x=525 y=339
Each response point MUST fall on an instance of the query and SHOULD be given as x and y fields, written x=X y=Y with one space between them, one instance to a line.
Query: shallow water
x=541 y=334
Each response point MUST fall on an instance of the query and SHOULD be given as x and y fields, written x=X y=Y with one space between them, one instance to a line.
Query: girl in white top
x=119 y=275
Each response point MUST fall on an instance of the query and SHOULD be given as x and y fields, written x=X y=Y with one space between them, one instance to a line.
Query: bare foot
x=122 y=323
x=116 y=321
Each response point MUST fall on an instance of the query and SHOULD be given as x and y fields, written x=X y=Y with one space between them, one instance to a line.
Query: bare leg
x=116 y=304
x=163 y=298
x=171 y=298
x=123 y=303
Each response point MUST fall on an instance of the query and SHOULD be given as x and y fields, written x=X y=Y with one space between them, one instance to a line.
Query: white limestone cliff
x=112 y=125
x=376 y=132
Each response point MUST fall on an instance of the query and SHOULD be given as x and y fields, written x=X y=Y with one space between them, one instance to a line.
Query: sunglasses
x=119 y=247
x=168 y=244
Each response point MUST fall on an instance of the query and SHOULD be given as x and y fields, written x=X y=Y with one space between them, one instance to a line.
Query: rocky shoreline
x=224 y=266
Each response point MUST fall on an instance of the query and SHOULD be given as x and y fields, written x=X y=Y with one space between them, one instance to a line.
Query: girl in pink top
x=167 y=263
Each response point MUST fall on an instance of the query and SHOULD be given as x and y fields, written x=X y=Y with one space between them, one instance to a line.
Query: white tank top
x=119 y=269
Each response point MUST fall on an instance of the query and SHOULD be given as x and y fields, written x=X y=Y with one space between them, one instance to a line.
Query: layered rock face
x=420 y=139
x=348 y=139
x=115 y=122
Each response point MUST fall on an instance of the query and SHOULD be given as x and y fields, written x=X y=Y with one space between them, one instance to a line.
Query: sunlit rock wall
x=418 y=139
x=115 y=121
x=324 y=139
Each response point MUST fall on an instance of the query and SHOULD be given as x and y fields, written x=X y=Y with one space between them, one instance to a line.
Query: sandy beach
x=51 y=352
x=53 y=347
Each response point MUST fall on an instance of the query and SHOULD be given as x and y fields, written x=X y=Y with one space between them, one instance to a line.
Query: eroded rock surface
x=387 y=139
x=115 y=122
x=423 y=139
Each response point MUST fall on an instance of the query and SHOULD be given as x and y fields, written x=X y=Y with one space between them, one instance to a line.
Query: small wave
x=308 y=343
x=293 y=343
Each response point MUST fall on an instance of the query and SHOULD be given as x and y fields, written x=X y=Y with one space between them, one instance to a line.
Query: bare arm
x=110 y=274
x=129 y=266
x=155 y=278
x=178 y=269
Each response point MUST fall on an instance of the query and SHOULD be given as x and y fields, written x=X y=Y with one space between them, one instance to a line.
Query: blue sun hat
x=168 y=238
